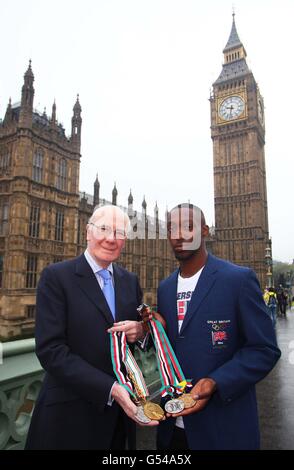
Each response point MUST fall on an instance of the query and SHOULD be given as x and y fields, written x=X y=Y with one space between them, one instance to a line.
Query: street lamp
x=269 y=264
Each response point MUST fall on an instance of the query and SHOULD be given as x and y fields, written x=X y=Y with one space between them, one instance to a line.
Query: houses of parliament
x=43 y=215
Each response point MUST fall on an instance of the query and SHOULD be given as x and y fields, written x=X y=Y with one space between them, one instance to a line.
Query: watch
x=231 y=108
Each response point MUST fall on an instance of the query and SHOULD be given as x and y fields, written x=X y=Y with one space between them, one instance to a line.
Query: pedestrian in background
x=272 y=303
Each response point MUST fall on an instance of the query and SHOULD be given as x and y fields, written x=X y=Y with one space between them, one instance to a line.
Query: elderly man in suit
x=80 y=405
x=218 y=325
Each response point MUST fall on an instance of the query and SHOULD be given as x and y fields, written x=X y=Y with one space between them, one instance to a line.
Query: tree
x=283 y=274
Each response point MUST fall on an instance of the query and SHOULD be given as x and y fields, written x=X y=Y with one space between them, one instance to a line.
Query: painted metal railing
x=21 y=377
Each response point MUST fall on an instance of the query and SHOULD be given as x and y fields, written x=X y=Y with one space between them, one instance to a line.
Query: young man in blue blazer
x=223 y=337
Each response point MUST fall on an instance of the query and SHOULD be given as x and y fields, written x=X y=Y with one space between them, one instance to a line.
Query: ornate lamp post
x=269 y=264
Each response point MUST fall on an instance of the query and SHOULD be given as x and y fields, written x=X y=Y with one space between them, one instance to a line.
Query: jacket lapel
x=89 y=285
x=204 y=285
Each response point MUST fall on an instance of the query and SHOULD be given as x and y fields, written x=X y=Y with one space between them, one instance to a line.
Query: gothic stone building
x=43 y=216
x=238 y=134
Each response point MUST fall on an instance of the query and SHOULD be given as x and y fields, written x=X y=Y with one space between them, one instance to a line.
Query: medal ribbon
x=132 y=366
x=117 y=362
x=171 y=374
x=164 y=372
x=124 y=363
x=170 y=371
x=170 y=379
x=181 y=380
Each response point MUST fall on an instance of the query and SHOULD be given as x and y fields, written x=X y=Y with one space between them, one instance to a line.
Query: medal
x=172 y=378
x=175 y=405
x=153 y=411
x=131 y=378
x=188 y=400
x=140 y=415
x=150 y=410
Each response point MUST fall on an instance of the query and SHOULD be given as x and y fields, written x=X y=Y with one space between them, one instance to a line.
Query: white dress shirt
x=96 y=268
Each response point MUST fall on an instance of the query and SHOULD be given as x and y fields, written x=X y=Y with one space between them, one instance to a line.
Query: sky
x=144 y=70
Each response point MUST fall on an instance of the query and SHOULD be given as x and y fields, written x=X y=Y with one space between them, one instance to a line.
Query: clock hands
x=231 y=107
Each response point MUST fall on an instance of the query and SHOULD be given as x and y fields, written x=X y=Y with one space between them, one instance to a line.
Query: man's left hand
x=133 y=329
x=202 y=392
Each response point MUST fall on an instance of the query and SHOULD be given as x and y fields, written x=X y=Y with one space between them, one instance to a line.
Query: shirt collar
x=94 y=265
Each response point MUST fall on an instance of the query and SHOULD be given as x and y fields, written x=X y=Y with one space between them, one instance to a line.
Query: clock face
x=231 y=108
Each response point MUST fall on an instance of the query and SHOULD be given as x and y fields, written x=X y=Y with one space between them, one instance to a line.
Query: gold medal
x=188 y=400
x=153 y=411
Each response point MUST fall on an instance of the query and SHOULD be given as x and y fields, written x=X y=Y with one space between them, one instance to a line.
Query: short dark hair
x=188 y=205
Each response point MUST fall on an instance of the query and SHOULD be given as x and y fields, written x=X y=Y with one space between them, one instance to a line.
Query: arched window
x=4 y=212
x=62 y=175
x=32 y=269
x=4 y=160
x=38 y=162
x=59 y=225
x=34 y=225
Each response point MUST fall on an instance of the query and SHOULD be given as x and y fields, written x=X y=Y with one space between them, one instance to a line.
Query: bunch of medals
x=175 y=387
x=131 y=378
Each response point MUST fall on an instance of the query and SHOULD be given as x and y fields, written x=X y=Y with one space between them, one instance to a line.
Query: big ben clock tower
x=238 y=133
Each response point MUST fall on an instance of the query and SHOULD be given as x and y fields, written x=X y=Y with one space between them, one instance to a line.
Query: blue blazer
x=227 y=335
x=73 y=347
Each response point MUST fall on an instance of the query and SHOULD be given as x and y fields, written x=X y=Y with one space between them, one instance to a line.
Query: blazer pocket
x=59 y=395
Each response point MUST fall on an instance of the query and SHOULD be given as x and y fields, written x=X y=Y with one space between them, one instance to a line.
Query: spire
x=234 y=40
x=29 y=73
x=166 y=212
x=130 y=198
x=96 y=183
x=8 y=114
x=28 y=91
x=114 y=195
x=27 y=98
x=53 y=115
x=76 y=124
x=77 y=107
x=144 y=204
x=96 y=191
x=234 y=66
x=156 y=216
x=130 y=205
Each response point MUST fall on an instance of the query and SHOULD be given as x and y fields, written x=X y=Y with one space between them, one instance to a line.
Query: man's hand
x=121 y=396
x=132 y=329
x=201 y=392
x=147 y=315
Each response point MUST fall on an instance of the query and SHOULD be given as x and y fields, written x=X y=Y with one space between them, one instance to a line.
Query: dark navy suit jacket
x=73 y=347
x=227 y=300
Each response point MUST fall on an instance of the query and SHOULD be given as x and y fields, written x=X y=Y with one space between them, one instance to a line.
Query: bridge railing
x=21 y=377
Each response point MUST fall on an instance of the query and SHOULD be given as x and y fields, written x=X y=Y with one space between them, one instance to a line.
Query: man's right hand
x=122 y=397
x=149 y=315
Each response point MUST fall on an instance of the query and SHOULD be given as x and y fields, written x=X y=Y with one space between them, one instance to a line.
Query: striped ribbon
x=170 y=371
x=124 y=365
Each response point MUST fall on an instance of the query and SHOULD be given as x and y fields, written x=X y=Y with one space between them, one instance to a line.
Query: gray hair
x=99 y=211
